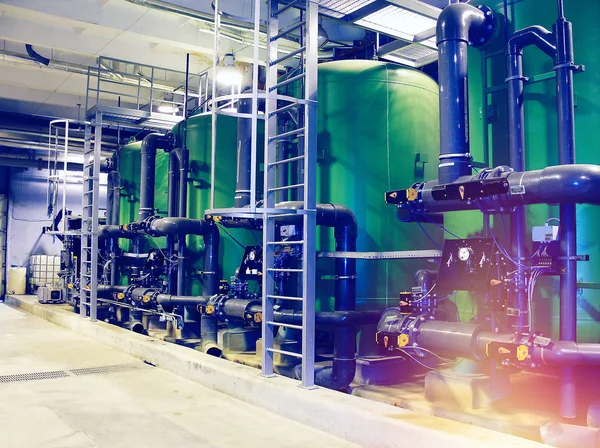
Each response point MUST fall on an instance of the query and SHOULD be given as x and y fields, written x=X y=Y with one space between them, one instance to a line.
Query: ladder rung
x=285 y=108
x=295 y=299
x=287 y=30
x=297 y=271
x=284 y=243
x=284 y=352
x=286 y=187
x=287 y=56
x=280 y=324
x=287 y=134
x=285 y=8
x=290 y=160
x=287 y=81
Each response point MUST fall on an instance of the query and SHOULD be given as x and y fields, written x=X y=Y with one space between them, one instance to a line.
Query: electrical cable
x=428 y=236
x=230 y=236
x=401 y=350
x=439 y=225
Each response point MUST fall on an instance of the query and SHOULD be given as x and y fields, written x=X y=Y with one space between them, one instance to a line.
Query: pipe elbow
x=532 y=35
x=340 y=217
x=460 y=21
x=338 y=376
x=154 y=141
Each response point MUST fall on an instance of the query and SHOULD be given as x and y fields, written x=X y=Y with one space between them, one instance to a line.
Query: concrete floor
x=134 y=405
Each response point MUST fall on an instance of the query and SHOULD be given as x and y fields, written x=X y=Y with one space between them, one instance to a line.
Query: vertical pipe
x=455 y=156
x=244 y=155
x=568 y=233
x=518 y=222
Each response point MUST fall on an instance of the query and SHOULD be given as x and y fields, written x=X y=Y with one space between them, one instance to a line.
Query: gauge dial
x=464 y=253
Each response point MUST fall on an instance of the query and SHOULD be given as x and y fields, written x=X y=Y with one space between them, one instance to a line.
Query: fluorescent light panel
x=341 y=8
x=397 y=22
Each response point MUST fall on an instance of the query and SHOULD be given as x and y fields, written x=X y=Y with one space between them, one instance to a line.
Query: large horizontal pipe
x=562 y=184
x=174 y=300
x=114 y=231
x=41 y=164
x=180 y=226
x=470 y=340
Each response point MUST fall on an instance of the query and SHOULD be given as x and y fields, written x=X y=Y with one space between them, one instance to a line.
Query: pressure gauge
x=464 y=253
x=252 y=256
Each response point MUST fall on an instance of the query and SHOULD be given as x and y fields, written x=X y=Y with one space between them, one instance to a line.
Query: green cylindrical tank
x=378 y=129
x=490 y=119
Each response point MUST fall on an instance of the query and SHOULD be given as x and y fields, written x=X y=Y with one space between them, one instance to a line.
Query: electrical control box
x=544 y=234
x=469 y=265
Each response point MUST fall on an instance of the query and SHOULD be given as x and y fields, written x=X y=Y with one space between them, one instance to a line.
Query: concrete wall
x=27 y=214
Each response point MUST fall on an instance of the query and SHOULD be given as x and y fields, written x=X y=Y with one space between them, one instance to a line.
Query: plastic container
x=43 y=271
x=16 y=280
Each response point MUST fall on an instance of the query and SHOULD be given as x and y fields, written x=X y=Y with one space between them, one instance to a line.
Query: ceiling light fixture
x=167 y=108
x=229 y=75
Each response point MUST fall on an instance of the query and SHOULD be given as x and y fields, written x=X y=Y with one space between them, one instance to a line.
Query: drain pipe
x=341 y=218
x=540 y=37
x=150 y=144
x=459 y=25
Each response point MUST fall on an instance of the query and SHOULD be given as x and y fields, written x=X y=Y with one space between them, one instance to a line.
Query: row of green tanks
x=378 y=127
x=489 y=138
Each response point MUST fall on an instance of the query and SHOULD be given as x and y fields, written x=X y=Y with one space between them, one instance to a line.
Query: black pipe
x=173 y=188
x=180 y=226
x=174 y=300
x=563 y=184
x=540 y=37
x=210 y=276
x=208 y=335
x=459 y=25
x=36 y=56
x=114 y=231
x=341 y=218
x=471 y=340
x=148 y=170
x=568 y=225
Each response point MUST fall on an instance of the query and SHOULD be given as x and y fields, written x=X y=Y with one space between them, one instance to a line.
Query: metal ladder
x=304 y=135
x=88 y=285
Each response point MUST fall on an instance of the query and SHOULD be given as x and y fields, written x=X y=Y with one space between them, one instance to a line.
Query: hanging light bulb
x=229 y=75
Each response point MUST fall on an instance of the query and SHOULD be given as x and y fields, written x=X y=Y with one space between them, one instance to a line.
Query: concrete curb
x=358 y=420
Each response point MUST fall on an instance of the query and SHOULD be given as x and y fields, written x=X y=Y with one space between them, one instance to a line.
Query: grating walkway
x=60 y=389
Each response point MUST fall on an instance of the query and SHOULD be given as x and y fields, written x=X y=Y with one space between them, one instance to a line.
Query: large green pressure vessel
x=489 y=124
x=378 y=129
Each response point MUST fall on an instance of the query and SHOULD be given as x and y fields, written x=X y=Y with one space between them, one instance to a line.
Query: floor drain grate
x=33 y=376
x=106 y=369
x=37 y=376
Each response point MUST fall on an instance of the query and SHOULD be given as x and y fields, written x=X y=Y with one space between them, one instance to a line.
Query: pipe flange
x=482 y=35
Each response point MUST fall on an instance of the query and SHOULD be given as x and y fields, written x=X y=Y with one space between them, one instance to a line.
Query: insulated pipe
x=563 y=184
x=341 y=218
x=458 y=26
x=568 y=236
x=148 y=171
x=540 y=37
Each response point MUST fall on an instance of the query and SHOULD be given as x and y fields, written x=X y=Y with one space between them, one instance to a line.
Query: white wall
x=27 y=214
